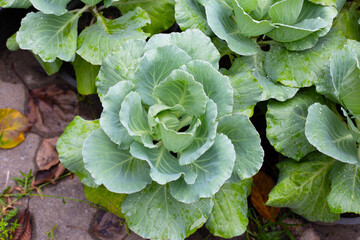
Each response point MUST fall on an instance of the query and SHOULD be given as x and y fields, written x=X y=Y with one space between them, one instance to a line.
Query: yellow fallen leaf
x=262 y=185
x=12 y=127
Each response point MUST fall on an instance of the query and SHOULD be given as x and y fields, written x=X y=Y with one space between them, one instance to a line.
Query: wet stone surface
x=338 y=232
x=20 y=158
x=13 y=95
x=21 y=66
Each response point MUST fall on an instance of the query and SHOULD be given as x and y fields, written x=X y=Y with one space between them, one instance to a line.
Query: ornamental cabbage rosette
x=296 y=23
x=169 y=138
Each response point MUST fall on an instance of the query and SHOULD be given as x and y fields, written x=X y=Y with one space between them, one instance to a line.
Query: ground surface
x=76 y=220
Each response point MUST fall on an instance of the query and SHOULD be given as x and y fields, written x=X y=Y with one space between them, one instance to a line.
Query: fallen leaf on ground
x=52 y=108
x=47 y=160
x=24 y=231
x=108 y=227
x=262 y=185
x=49 y=175
x=47 y=156
x=13 y=125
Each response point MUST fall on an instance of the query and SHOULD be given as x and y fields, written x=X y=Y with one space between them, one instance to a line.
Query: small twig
x=76 y=227
x=7 y=178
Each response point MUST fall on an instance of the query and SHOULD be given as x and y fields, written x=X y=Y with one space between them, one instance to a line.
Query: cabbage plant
x=322 y=178
x=297 y=24
x=168 y=138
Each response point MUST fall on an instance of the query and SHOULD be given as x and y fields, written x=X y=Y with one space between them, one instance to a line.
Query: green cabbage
x=296 y=23
x=168 y=138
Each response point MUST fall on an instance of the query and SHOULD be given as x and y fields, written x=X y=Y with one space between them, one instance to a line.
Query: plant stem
x=100 y=18
x=61 y=177
x=45 y=195
x=20 y=195
x=264 y=42
x=101 y=8
x=80 y=11
x=231 y=57
x=357 y=121
x=66 y=198
x=95 y=11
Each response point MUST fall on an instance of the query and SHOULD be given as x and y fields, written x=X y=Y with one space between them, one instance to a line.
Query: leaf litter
x=13 y=125
x=52 y=108
x=107 y=226
x=47 y=160
x=24 y=231
x=262 y=185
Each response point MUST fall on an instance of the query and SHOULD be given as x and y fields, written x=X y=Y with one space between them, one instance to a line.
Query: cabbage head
x=168 y=138
x=296 y=23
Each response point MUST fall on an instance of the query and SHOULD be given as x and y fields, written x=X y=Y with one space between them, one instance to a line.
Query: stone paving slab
x=13 y=95
x=22 y=64
x=338 y=232
x=20 y=158
x=72 y=219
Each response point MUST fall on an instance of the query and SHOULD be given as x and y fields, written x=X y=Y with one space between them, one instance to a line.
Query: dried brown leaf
x=24 y=231
x=262 y=185
x=49 y=175
x=47 y=155
x=51 y=108
x=108 y=227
